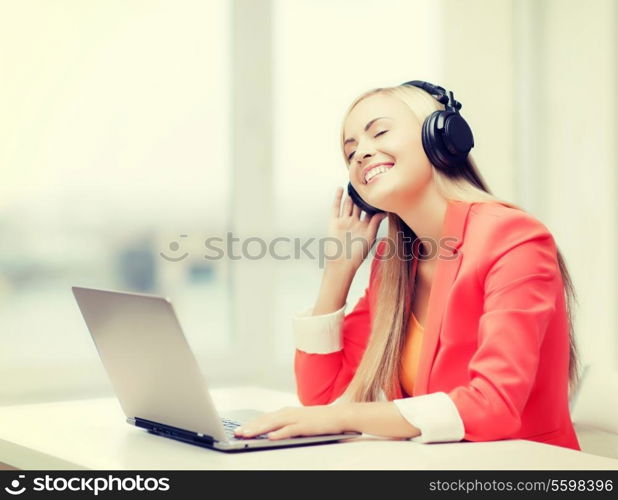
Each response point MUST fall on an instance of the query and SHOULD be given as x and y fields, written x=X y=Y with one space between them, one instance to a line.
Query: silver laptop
x=156 y=377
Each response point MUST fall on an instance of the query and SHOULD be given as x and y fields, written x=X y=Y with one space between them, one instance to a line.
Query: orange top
x=410 y=356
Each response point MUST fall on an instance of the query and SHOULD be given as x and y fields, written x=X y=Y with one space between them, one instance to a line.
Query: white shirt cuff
x=435 y=415
x=318 y=334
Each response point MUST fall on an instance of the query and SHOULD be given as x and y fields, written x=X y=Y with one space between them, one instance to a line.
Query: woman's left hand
x=296 y=421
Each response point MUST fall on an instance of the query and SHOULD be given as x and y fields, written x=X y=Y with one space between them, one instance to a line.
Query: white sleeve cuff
x=435 y=415
x=318 y=334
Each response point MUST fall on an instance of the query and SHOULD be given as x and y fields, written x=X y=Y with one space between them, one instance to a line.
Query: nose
x=364 y=149
x=360 y=162
x=360 y=158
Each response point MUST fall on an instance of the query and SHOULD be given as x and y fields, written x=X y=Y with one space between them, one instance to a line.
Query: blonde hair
x=379 y=367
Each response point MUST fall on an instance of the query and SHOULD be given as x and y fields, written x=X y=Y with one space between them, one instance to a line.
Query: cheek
x=415 y=171
x=413 y=155
x=406 y=148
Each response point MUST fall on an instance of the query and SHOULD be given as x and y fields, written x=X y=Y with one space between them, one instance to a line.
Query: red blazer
x=496 y=336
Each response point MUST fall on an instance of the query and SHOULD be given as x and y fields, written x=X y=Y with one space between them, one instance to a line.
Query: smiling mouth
x=377 y=172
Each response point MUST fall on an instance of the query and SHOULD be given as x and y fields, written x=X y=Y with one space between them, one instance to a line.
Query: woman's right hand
x=362 y=234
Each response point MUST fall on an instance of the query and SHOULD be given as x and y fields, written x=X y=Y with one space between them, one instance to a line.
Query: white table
x=93 y=434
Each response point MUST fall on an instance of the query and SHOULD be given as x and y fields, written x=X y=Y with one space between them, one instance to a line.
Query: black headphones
x=447 y=137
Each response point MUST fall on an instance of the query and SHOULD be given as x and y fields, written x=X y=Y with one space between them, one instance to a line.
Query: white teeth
x=375 y=171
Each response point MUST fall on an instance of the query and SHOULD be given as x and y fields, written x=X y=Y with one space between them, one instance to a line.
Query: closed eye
x=378 y=134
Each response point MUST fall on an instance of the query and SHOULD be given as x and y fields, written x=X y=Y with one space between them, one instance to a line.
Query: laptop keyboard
x=230 y=425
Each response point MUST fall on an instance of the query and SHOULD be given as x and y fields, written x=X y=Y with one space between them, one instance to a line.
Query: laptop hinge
x=170 y=431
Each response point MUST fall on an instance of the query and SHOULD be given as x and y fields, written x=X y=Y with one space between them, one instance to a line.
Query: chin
x=381 y=198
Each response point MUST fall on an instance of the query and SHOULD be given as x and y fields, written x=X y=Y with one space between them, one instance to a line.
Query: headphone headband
x=439 y=93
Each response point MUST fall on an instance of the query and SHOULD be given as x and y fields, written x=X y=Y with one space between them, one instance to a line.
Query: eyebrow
x=369 y=124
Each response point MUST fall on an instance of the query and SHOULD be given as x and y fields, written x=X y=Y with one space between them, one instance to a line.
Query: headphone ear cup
x=457 y=136
x=369 y=209
x=431 y=143
x=447 y=139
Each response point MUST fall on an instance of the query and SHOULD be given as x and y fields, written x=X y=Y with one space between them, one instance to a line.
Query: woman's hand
x=350 y=252
x=297 y=421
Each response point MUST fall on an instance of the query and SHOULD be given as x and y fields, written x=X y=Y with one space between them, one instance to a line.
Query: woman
x=465 y=329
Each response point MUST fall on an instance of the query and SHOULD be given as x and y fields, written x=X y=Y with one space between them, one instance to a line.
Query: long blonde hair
x=378 y=369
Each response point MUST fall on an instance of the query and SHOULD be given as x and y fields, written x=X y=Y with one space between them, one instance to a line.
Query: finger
x=337 y=201
x=250 y=427
x=356 y=211
x=286 y=432
x=375 y=220
x=259 y=426
x=248 y=432
x=347 y=206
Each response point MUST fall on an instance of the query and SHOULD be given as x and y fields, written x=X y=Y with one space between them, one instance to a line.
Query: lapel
x=446 y=270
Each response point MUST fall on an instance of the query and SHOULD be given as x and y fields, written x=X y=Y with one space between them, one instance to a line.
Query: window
x=115 y=133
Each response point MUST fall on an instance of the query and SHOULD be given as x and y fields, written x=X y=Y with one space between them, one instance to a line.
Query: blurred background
x=133 y=130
